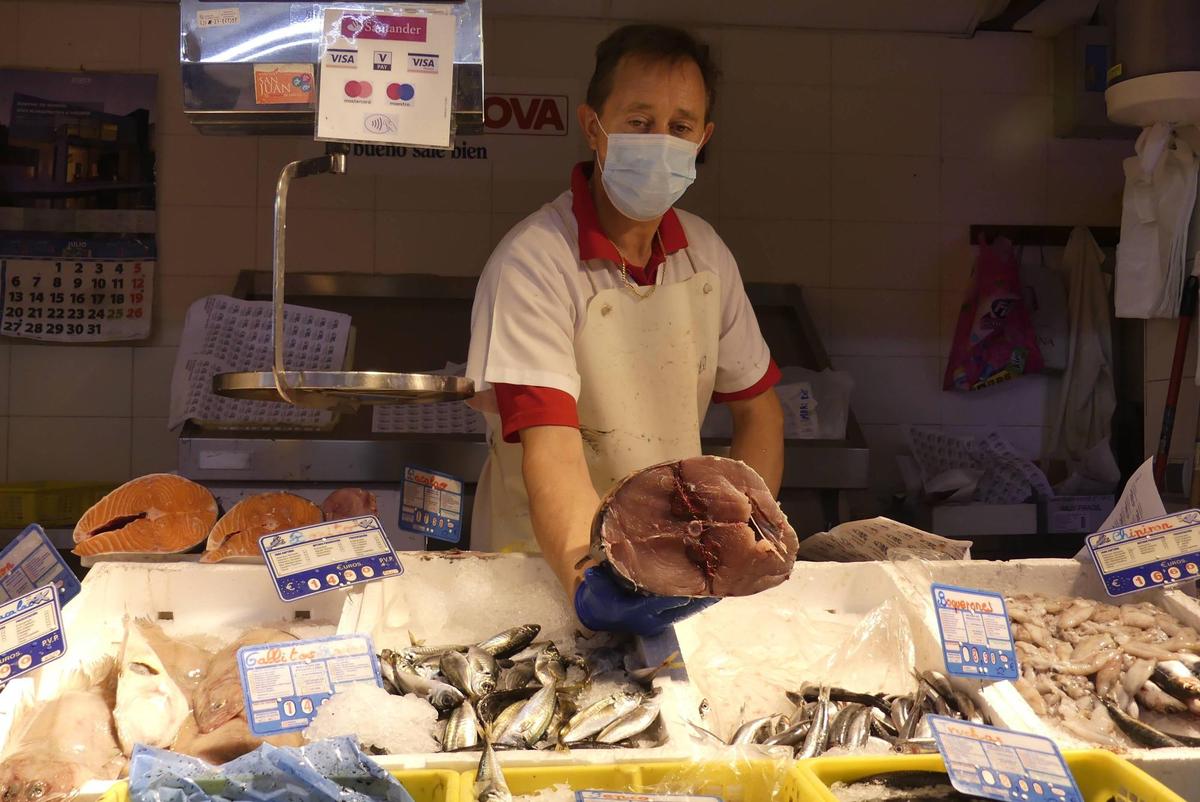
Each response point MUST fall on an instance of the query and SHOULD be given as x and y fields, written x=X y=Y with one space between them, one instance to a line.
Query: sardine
x=818 y=735
x=530 y=723
x=631 y=724
x=489 y=778
x=1175 y=678
x=510 y=641
x=462 y=729
x=859 y=731
x=1141 y=733
x=598 y=715
x=515 y=678
x=754 y=731
x=840 y=726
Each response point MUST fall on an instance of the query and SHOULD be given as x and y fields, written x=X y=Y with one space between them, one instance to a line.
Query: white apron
x=647 y=364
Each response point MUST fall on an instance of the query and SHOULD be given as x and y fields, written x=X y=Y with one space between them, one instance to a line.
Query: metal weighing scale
x=330 y=390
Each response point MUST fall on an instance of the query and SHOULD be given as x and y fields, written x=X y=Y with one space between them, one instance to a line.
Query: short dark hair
x=655 y=43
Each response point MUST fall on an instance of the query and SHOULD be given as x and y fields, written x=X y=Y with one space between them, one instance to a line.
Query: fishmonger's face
x=652 y=97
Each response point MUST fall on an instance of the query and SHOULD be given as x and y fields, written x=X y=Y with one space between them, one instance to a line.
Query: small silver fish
x=489 y=778
x=510 y=641
x=817 y=739
x=462 y=729
x=840 y=726
x=506 y=717
x=458 y=669
x=753 y=732
x=631 y=724
x=598 y=715
x=549 y=666
x=482 y=671
x=439 y=694
x=530 y=723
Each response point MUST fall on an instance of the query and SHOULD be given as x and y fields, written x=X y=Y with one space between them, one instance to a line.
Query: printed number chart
x=76 y=300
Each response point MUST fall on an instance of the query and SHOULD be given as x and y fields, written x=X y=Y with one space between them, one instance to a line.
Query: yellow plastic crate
x=47 y=503
x=1101 y=776
x=745 y=781
x=425 y=785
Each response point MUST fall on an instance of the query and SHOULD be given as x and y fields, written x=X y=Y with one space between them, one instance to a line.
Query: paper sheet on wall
x=880 y=539
x=223 y=334
x=1000 y=474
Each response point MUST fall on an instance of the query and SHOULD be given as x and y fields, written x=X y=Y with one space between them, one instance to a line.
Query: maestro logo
x=379 y=124
x=401 y=93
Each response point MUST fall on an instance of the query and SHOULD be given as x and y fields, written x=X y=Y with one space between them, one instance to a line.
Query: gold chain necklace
x=633 y=287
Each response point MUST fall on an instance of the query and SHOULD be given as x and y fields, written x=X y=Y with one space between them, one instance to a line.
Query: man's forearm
x=758 y=436
x=562 y=500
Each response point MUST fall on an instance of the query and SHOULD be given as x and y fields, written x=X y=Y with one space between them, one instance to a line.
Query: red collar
x=595 y=244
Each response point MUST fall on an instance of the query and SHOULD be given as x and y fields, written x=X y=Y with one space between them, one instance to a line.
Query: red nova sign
x=532 y=115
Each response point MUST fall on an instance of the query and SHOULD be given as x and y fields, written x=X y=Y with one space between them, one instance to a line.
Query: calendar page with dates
x=80 y=291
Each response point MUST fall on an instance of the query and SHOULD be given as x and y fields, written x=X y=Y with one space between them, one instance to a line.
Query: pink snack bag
x=994 y=340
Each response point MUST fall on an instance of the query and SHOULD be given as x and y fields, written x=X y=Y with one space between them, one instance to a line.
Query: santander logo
x=396 y=29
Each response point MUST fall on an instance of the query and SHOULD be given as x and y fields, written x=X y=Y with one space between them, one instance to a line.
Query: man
x=605 y=323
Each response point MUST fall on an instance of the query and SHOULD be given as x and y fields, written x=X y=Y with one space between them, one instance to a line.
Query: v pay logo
x=383 y=60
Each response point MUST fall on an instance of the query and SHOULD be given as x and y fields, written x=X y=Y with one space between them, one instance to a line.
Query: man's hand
x=562 y=501
x=602 y=603
x=758 y=436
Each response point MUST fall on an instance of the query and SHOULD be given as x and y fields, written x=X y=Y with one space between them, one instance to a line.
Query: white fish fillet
x=150 y=706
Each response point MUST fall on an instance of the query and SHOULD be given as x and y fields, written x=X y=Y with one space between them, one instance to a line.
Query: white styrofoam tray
x=1178 y=768
x=186 y=598
x=449 y=598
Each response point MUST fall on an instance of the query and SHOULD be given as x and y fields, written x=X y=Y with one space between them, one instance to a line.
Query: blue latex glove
x=602 y=603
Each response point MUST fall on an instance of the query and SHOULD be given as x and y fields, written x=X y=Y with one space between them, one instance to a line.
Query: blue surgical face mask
x=644 y=174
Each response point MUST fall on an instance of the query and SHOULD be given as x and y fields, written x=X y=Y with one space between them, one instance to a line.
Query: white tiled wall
x=849 y=163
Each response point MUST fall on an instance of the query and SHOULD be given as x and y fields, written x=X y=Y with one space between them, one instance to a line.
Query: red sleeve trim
x=522 y=406
x=769 y=380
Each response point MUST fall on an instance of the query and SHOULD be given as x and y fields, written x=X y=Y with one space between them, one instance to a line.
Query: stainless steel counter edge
x=817 y=464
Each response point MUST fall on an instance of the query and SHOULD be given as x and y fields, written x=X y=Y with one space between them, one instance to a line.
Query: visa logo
x=422 y=62
x=341 y=58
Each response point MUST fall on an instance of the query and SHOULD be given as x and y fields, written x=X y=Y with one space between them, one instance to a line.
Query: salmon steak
x=702 y=526
x=238 y=531
x=159 y=513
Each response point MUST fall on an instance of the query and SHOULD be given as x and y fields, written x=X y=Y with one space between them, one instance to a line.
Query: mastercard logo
x=358 y=89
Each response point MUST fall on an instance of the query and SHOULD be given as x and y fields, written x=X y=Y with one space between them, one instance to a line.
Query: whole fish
x=810 y=694
x=1141 y=733
x=792 y=736
x=515 y=678
x=510 y=641
x=455 y=668
x=506 y=717
x=492 y=705
x=818 y=734
x=439 y=694
x=1152 y=697
x=1175 y=678
x=859 y=731
x=489 y=779
x=753 y=732
x=562 y=712
x=218 y=697
x=598 y=715
x=631 y=724
x=840 y=726
x=532 y=720
x=462 y=729
x=150 y=707
x=482 y=671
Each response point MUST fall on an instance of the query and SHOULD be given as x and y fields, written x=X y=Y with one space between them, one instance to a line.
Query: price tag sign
x=31 y=633
x=284 y=683
x=976 y=638
x=321 y=557
x=76 y=300
x=432 y=505
x=1149 y=554
x=992 y=763
x=29 y=562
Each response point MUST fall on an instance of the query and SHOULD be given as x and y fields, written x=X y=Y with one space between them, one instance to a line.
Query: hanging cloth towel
x=1156 y=213
x=1087 y=396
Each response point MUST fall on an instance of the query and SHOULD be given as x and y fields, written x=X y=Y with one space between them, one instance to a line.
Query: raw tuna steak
x=160 y=513
x=348 y=502
x=238 y=531
x=703 y=526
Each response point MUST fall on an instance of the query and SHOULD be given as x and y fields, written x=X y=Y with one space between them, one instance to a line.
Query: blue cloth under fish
x=333 y=770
